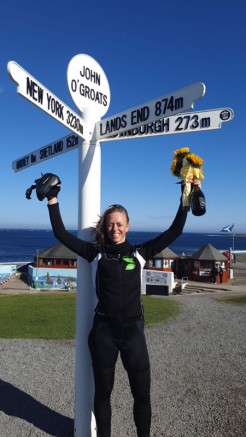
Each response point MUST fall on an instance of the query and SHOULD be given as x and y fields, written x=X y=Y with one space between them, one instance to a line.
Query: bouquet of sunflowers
x=187 y=166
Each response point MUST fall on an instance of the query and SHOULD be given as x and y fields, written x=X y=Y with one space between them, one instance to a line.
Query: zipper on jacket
x=120 y=282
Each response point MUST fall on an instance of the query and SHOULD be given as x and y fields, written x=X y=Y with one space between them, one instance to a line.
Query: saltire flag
x=227 y=228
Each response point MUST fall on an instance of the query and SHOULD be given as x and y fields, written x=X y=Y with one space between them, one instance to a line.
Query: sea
x=22 y=245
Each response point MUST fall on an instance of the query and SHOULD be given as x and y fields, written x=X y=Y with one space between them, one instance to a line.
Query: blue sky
x=147 y=49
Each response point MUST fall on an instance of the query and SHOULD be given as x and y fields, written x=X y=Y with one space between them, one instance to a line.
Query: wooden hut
x=57 y=256
x=202 y=261
x=55 y=267
x=162 y=261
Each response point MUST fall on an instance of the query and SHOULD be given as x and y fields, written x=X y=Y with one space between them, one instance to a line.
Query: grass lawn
x=37 y=316
x=237 y=300
x=158 y=310
x=52 y=316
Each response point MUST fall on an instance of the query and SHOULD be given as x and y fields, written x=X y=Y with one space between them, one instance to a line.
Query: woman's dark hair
x=100 y=229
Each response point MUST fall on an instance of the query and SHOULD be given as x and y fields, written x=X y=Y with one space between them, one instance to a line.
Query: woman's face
x=117 y=226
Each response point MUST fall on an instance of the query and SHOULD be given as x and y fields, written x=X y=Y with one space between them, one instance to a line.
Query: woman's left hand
x=196 y=182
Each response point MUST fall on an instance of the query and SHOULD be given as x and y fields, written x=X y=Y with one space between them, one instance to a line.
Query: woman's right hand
x=52 y=195
x=52 y=201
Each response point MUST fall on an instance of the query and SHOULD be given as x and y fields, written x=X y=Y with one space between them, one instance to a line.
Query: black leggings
x=106 y=340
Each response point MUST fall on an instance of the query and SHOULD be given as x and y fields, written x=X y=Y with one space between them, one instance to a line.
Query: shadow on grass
x=17 y=403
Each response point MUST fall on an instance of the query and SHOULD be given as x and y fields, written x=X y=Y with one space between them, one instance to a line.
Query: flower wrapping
x=188 y=167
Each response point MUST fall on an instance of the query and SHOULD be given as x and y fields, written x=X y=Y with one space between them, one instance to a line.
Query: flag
x=227 y=229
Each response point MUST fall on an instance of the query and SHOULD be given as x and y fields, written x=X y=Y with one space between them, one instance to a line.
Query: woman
x=118 y=325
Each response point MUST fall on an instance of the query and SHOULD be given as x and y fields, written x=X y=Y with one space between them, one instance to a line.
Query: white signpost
x=170 y=104
x=178 y=124
x=90 y=91
x=186 y=122
x=40 y=96
x=65 y=144
x=88 y=86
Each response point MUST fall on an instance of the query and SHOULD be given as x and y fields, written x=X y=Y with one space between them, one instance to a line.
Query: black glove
x=47 y=186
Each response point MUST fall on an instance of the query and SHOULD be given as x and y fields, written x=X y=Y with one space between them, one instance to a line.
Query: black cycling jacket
x=117 y=272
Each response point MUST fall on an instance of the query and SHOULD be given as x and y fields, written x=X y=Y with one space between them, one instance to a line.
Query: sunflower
x=178 y=160
x=194 y=160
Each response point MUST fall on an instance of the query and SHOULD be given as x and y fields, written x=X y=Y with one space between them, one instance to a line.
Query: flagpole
x=232 y=257
x=231 y=251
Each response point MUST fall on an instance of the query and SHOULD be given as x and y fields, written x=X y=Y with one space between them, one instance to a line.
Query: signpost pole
x=89 y=170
